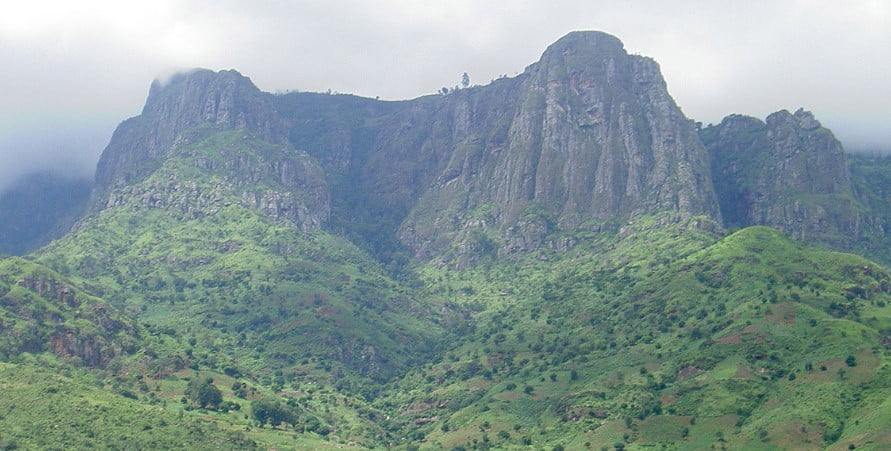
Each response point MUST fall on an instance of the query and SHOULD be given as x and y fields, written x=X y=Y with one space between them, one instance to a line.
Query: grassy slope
x=40 y=310
x=696 y=350
x=42 y=409
x=662 y=333
x=131 y=397
x=227 y=290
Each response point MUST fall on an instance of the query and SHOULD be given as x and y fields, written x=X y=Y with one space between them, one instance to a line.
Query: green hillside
x=752 y=342
x=553 y=261
x=303 y=317
x=659 y=333
x=41 y=311
x=248 y=290
x=662 y=333
x=42 y=409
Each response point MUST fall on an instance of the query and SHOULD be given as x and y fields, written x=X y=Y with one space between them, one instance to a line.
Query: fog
x=74 y=70
x=65 y=146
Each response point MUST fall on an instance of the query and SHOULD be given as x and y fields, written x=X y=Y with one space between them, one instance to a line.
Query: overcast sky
x=72 y=70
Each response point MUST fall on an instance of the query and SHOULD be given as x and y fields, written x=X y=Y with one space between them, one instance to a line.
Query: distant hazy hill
x=37 y=208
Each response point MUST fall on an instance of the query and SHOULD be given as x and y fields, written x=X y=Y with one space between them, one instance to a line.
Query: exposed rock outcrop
x=55 y=317
x=583 y=139
x=586 y=135
x=787 y=172
x=183 y=119
x=594 y=136
x=223 y=100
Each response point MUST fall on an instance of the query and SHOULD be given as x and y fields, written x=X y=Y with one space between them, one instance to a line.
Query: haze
x=74 y=70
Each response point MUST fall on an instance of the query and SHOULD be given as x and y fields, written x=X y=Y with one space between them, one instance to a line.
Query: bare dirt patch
x=734 y=339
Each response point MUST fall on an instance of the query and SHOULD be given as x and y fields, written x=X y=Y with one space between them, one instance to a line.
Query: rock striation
x=788 y=172
x=582 y=140
x=223 y=100
x=586 y=135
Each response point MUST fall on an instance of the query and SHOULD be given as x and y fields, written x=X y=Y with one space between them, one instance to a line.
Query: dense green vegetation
x=190 y=319
x=250 y=290
x=217 y=286
x=44 y=409
x=662 y=334
x=753 y=341
x=872 y=181
x=41 y=311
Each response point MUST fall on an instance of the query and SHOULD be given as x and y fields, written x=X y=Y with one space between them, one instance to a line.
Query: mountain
x=539 y=262
x=38 y=208
x=789 y=172
x=586 y=135
x=240 y=288
x=225 y=100
x=212 y=241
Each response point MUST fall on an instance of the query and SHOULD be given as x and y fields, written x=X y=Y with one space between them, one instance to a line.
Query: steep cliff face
x=223 y=100
x=220 y=124
x=788 y=172
x=586 y=135
x=589 y=134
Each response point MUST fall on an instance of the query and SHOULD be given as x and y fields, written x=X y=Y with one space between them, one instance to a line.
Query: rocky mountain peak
x=593 y=57
x=737 y=122
x=586 y=135
x=584 y=44
x=801 y=119
x=225 y=99
x=787 y=172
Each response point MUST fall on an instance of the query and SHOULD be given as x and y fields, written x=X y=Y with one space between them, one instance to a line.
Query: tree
x=204 y=393
x=465 y=80
x=272 y=412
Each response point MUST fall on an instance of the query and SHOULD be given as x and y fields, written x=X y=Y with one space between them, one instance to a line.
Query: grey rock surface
x=588 y=134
